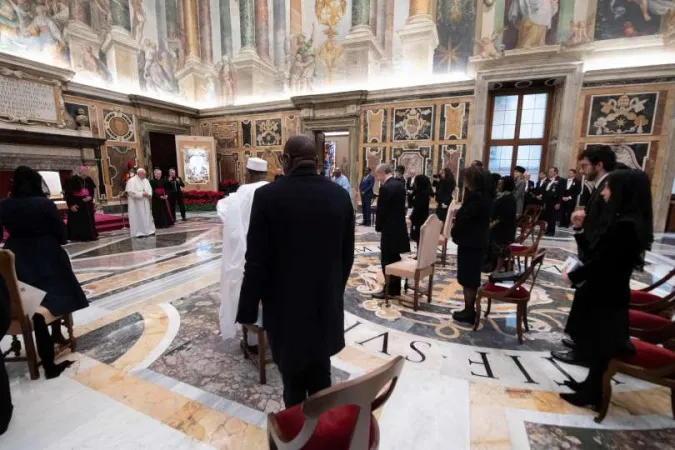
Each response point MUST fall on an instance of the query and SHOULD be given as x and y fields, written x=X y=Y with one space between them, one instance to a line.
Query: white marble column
x=419 y=38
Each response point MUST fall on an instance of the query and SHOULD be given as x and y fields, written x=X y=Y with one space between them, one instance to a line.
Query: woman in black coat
x=625 y=233
x=36 y=235
x=445 y=186
x=420 y=206
x=502 y=224
x=470 y=233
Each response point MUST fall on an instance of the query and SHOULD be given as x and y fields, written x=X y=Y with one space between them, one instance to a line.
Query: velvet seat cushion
x=643 y=298
x=646 y=321
x=333 y=430
x=649 y=356
x=517 y=248
x=520 y=291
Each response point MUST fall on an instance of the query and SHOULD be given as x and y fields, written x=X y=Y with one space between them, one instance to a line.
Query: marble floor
x=152 y=371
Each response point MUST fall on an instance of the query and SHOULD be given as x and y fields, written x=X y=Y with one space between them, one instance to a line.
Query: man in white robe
x=139 y=193
x=235 y=213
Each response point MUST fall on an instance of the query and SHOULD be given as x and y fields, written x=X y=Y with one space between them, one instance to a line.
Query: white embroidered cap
x=257 y=164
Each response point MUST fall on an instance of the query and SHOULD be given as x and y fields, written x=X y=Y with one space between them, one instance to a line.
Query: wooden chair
x=650 y=327
x=444 y=238
x=339 y=417
x=645 y=300
x=534 y=211
x=516 y=294
x=520 y=250
x=425 y=264
x=650 y=363
x=260 y=360
x=21 y=324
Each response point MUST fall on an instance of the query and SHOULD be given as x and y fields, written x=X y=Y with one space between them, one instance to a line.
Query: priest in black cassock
x=79 y=195
x=161 y=210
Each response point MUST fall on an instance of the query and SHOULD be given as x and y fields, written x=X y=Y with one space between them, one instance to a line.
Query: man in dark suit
x=409 y=187
x=550 y=194
x=175 y=191
x=300 y=251
x=569 y=198
x=390 y=221
x=366 y=191
x=595 y=163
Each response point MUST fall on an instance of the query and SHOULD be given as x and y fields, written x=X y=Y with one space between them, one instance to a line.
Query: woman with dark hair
x=502 y=223
x=36 y=233
x=420 y=206
x=624 y=233
x=470 y=233
x=445 y=186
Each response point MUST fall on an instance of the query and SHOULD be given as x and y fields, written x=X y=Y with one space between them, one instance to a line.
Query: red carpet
x=104 y=222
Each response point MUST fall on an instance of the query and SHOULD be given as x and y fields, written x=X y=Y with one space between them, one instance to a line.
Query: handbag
x=501 y=277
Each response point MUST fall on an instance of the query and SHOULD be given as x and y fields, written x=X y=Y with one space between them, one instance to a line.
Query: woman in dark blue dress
x=36 y=234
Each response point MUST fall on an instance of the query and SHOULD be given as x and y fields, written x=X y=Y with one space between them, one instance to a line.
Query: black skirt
x=469 y=265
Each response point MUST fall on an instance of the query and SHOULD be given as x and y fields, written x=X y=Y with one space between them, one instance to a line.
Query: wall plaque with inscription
x=26 y=101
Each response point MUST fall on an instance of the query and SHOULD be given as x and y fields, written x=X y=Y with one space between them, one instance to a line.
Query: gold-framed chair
x=421 y=268
x=444 y=238
x=338 y=418
x=21 y=325
x=516 y=294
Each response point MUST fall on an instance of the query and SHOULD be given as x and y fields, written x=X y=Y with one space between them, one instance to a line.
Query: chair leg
x=489 y=306
x=519 y=325
x=387 y=281
x=15 y=346
x=31 y=353
x=71 y=335
x=416 y=299
x=672 y=400
x=527 y=325
x=431 y=284
x=261 y=356
x=606 y=392
x=444 y=254
x=477 y=320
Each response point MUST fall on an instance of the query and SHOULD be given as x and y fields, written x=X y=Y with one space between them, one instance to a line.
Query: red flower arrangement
x=201 y=200
x=229 y=185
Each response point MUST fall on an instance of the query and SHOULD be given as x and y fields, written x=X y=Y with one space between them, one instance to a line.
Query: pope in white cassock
x=140 y=212
x=235 y=213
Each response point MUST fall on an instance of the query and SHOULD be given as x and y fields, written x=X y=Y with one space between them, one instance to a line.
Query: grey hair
x=386 y=168
x=141 y=170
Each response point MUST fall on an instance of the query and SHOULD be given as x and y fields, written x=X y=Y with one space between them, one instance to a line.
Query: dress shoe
x=583 y=399
x=253 y=349
x=466 y=316
x=569 y=343
x=380 y=295
x=574 y=385
x=569 y=357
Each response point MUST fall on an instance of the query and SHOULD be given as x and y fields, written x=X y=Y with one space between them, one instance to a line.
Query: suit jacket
x=594 y=208
x=472 y=221
x=573 y=191
x=390 y=218
x=366 y=186
x=552 y=195
x=173 y=187
x=519 y=195
x=300 y=251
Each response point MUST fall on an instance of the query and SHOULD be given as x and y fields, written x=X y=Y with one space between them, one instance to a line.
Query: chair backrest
x=532 y=272
x=364 y=392
x=428 y=246
x=8 y=274
x=534 y=211
x=524 y=228
x=538 y=230
x=660 y=282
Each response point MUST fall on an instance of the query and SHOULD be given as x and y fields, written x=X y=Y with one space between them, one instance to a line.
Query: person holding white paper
x=139 y=191
x=36 y=233
x=624 y=233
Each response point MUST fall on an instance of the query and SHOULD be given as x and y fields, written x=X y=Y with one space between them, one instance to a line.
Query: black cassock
x=161 y=211
x=81 y=223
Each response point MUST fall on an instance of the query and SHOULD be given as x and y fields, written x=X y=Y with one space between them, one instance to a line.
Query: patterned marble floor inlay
x=151 y=356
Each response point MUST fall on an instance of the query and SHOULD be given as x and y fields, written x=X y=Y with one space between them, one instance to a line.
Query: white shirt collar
x=598 y=181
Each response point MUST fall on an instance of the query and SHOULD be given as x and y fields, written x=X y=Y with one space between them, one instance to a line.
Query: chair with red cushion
x=534 y=211
x=337 y=418
x=646 y=300
x=517 y=294
x=650 y=327
x=650 y=362
x=522 y=250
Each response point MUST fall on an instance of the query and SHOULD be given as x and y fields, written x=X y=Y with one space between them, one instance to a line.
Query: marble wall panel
x=622 y=114
x=416 y=160
x=413 y=124
x=116 y=158
x=268 y=132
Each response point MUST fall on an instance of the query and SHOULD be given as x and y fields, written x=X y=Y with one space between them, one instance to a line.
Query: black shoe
x=550 y=234
x=583 y=399
x=8 y=418
x=54 y=370
x=253 y=349
x=466 y=316
x=575 y=385
x=569 y=357
x=379 y=296
x=569 y=343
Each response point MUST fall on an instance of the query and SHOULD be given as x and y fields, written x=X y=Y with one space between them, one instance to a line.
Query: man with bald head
x=139 y=191
x=300 y=251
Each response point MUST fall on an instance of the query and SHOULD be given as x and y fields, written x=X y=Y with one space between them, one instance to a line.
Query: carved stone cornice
x=254 y=108
x=49 y=139
x=35 y=68
x=629 y=74
x=141 y=101
x=96 y=93
x=454 y=88
x=330 y=100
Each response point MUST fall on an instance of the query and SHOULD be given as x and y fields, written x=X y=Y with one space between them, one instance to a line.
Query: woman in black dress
x=36 y=235
x=445 y=186
x=625 y=233
x=470 y=233
x=502 y=223
x=420 y=206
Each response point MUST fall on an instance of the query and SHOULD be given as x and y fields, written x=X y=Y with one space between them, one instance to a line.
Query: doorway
x=163 y=151
x=336 y=153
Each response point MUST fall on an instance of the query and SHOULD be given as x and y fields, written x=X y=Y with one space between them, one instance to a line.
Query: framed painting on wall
x=197 y=162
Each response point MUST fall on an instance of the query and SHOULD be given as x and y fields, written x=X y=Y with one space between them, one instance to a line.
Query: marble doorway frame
x=351 y=124
x=562 y=137
x=148 y=127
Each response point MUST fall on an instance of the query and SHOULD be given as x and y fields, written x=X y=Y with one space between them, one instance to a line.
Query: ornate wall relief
x=246 y=133
x=116 y=158
x=375 y=126
x=119 y=126
x=454 y=121
x=413 y=124
x=226 y=134
x=622 y=114
x=416 y=160
x=372 y=157
x=268 y=132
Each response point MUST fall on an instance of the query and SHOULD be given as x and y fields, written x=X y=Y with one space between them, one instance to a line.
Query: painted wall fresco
x=201 y=52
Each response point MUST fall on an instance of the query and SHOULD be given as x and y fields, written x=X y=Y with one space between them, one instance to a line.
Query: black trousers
x=6 y=407
x=366 y=200
x=298 y=385
x=176 y=199
x=394 y=285
x=566 y=210
x=551 y=216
